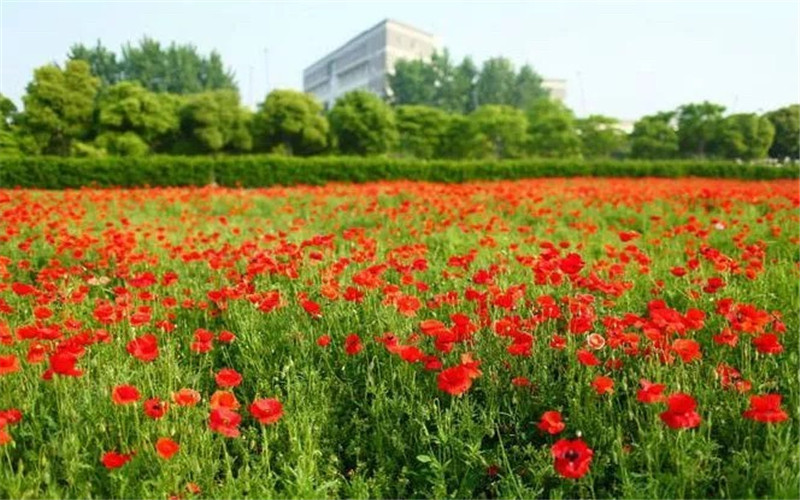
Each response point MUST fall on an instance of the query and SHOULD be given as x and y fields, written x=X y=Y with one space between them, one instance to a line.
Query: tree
x=8 y=141
x=503 y=127
x=213 y=122
x=654 y=137
x=463 y=140
x=786 y=121
x=127 y=111
x=463 y=95
x=59 y=105
x=362 y=124
x=600 y=137
x=421 y=130
x=746 y=136
x=527 y=88
x=551 y=130
x=413 y=82
x=496 y=82
x=699 y=128
x=290 y=120
x=102 y=62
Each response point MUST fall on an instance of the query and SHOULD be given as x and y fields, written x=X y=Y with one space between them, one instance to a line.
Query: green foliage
x=503 y=128
x=261 y=171
x=551 y=130
x=746 y=136
x=362 y=124
x=7 y=112
x=122 y=143
x=699 y=128
x=527 y=88
x=600 y=138
x=128 y=108
x=412 y=83
x=178 y=69
x=291 y=121
x=463 y=140
x=786 y=121
x=496 y=83
x=59 y=105
x=654 y=137
x=213 y=122
x=422 y=130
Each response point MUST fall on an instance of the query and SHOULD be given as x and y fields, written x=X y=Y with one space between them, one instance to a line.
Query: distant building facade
x=366 y=61
x=556 y=87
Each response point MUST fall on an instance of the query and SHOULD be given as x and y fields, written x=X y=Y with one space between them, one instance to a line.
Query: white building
x=557 y=88
x=366 y=60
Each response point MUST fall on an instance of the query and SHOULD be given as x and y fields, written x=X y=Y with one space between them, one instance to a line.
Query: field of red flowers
x=539 y=338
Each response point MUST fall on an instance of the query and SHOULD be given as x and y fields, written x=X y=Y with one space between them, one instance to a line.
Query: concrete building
x=556 y=87
x=365 y=61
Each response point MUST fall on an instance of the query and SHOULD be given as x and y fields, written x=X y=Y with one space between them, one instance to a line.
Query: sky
x=625 y=59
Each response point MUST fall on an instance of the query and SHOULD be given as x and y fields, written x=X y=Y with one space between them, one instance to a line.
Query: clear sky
x=624 y=59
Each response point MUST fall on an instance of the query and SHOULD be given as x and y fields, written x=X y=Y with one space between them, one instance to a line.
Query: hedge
x=257 y=171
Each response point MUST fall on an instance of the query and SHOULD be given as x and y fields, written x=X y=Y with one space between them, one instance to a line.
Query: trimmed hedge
x=257 y=171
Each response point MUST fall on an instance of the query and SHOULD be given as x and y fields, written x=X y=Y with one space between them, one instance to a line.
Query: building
x=556 y=87
x=366 y=60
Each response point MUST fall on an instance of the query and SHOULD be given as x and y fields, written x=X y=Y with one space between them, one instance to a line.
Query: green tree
x=413 y=82
x=699 y=127
x=496 y=82
x=8 y=140
x=102 y=62
x=463 y=140
x=362 y=124
x=213 y=122
x=463 y=94
x=551 y=130
x=654 y=137
x=786 y=121
x=503 y=127
x=527 y=88
x=421 y=130
x=59 y=105
x=746 y=136
x=600 y=137
x=127 y=110
x=292 y=121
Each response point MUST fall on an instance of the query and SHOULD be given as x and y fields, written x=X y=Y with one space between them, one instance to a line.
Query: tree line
x=173 y=100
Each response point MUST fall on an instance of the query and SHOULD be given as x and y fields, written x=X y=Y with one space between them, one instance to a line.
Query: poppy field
x=553 y=338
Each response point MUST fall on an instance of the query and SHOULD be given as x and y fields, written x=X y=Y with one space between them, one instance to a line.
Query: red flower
x=521 y=382
x=224 y=421
x=166 y=447
x=680 y=413
x=603 y=384
x=551 y=422
x=408 y=305
x=455 y=380
x=767 y=343
x=558 y=342
x=650 y=392
x=571 y=264
x=726 y=337
x=352 y=344
x=63 y=363
x=312 y=308
x=323 y=340
x=687 y=349
x=572 y=458
x=587 y=358
x=155 y=408
x=186 y=397
x=125 y=394
x=228 y=377
x=9 y=364
x=114 y=460
x=226 y=337
x=766 y=409
x=595 y=341
x=224 y=399
x=267 y=411
x=144 y=348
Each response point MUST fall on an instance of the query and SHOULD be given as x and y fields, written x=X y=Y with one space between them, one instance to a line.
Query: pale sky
x=624 y=59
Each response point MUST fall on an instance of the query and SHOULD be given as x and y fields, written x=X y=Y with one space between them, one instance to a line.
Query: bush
x=256 y=171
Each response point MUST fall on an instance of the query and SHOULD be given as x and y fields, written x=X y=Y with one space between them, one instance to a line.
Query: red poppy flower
x=766 y=408
x=224 y=399
x=267 y=411
x=63 y=363
x=9 y=364
x=114 y=460
x=352 y=344
x=408 y=305
x=225 y=422
x=650 y=392
x=603 y=384
x=155 y=408
x=572 y=458
x=226 y=337
x=228 y=377
x=551 y=422
x=454 y=380
x=186 y=397
x=571 y=264
x=324 y=340
x=144 y=348
x=166 y=448
x=558 y=342
x=520 y=382
x=767 y=343
x=125 y=394
x=681 y=412
x=5 y=437
x=687 y=349
x=587 y=358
